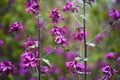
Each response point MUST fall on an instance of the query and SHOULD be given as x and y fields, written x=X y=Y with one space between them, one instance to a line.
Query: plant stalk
x=85 y=46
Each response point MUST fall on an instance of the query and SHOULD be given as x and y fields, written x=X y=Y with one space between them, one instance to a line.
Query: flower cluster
x=109 y=54
x=79 y=35
x=30 y=44
x=55 y=30
x=16 y=27
x=29 y=59
x=74 y=67
x=109 y=71
x=32 y=6
x=113 y=13
x=6 y=65
x=61 y=40
x=70 y=6
x=58 y=33
x=44 y=69
x=55 y=15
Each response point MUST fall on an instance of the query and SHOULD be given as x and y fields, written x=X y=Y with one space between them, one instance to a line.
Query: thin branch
x=85 y=46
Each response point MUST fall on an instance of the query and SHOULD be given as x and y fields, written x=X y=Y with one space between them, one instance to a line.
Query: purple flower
x=74 y=67
x=108 y=70
x=100 y=37
x=101 y=63
x=16 y=27
x=61 y=78
x=28 y=59
x=6 y=66
x=47 y=48
x=31 y=79
x=1 y=42
x=55 y=30
x=118 y=59
x=109 y=55
x=92 y=0
x=29 y=43
x=113 y=13
x=79 y=35
x=54 y=69
x=59 y=50
x=44 y=69
x=32 y=6
x=70 y=6
x=61 y=40
x=70 y=55
x=55 y=15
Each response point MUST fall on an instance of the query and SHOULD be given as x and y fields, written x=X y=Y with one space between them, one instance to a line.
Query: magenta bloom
x=31 y=79
x=74 y=67
x=61 y=40
x=44 y=69
x=118 y=59
x=55 y=15
x=6 y=66
x=28 y=59
x=55 y=30
x=108 y=70
x=54 y=69
x=113 y=13
x=16 y=27
x=32 y=6
x=109 y=55
x=29 y=43
x=70 y=6
x=92 y=0
x=79 y=35
x=61 y=78
x=70 y=55
x=1 y=42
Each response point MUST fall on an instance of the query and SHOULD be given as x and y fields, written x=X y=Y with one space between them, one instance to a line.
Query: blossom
x=113 y=13
x=44 y=69
x=100 y=37
x=108 y=70
x=79 y=35
x=70 y=6
x=6 y=66
x=55 y=30
x=61 y=40
x=55 y=15
x=70 y=55
x=118 y=59
x=1 y=42
x=109 y=55
x=74 y=67
x=28 y=59
x=91 y=0
x=32 y=6
x=31 y=79
x=16 y=26
x=30 y=43
x=61 y=78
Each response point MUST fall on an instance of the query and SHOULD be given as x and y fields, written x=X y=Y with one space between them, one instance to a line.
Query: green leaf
x=39 y=16
x=46 y=61
x=66 y=49
x=91 y=44
x=89 y=3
